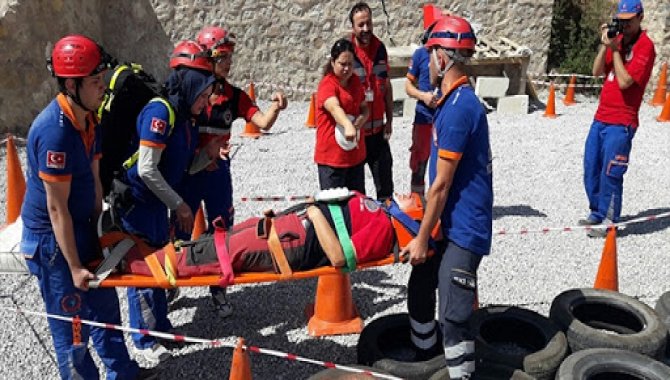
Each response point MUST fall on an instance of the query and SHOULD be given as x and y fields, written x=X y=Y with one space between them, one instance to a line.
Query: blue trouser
x=62 y=298
x=147 y=307
x=215 y=188
x=606 y=155
x=457 y=283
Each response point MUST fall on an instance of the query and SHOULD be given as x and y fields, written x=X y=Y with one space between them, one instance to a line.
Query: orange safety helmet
x=216 y=39
x=413 y=207
x=190 y=54
x=452 y=32
x=77 y=56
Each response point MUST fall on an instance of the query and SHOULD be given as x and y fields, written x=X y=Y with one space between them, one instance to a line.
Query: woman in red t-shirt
x=341 y=111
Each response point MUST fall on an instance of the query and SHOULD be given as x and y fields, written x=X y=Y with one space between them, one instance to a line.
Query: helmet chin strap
x=442 y=71
x=77 y=99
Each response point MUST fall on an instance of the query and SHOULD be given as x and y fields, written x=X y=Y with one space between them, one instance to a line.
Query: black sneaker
x=220 y=301
x=588 y=221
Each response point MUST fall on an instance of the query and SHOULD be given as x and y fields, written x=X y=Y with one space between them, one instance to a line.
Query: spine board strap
x=343 y=236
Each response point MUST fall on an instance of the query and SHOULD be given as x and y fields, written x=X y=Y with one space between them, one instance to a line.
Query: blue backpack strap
x=410 y=224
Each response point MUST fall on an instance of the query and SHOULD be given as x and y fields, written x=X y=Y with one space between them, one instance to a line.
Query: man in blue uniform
x=63 y=198
x=460 y=196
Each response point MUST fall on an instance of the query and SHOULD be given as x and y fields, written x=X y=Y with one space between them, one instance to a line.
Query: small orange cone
x=664 y=117
x=333 y=311
x=608 y=274
x=570 y=92
x=241 y=367
x=550 y=111
x=251 y=129
x=661 y=88
x=199 y=224
x=16 y=183
x=311 y=116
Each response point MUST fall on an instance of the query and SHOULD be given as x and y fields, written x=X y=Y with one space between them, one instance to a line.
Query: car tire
x=594 y=318
x=516 y=338
x=608 y=363
x=382 y=340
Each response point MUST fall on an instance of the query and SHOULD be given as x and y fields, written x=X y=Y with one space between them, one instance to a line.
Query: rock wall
x=281 y=42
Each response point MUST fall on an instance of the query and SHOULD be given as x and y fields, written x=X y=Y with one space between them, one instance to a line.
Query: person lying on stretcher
x=340 y=228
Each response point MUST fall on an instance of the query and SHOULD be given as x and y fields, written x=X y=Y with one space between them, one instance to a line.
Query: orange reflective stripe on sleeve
x=449 y=155
x=55 y=178
x=152 y=144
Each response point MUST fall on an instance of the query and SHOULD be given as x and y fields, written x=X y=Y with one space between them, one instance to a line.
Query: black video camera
x=614 y=28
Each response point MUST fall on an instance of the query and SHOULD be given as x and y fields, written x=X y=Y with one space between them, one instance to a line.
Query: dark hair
x=340 y=46
x=359 y=7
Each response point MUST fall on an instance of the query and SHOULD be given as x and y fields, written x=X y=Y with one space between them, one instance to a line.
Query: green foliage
x=575 y=34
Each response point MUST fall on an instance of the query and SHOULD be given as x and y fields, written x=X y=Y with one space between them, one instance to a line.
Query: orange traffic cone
x=661 y=88
x=665 y=113
x=251 y=129
x=311 y=116
x=199 y=224
x=16 y=183
x=608 y=274
x=241 y=367
x=333 y=311
x=550 y=111
x=570 y=92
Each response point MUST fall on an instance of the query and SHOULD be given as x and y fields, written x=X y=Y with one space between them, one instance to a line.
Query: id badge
x=369 y=95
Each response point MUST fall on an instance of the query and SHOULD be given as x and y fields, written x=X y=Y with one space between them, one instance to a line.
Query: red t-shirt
x=371 y=229
x=622 y=106
x=327 y=151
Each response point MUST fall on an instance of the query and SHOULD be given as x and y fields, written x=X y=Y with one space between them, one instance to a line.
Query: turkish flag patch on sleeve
x=158 y=125
x=55 y=160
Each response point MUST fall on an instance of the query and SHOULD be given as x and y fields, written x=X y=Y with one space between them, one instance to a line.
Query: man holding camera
x=626 y=58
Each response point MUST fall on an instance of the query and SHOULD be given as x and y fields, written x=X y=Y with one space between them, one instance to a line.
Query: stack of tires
x=611 y=336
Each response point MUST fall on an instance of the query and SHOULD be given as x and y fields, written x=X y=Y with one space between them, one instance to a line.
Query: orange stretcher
x=142 y=281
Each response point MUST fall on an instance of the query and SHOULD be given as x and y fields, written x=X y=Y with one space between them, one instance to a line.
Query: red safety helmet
x=76 y=56
x=190 y=54
x=216 y=39
x=452 y=32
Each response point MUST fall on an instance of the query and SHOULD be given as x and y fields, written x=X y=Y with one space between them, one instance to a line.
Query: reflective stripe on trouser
x=380 y=161
x=147 y=309
x=62 y=298
x=606 y=155
x=457 y=287
x=423 y=335
x=421 y=295
x=419 y=155
x=460 y=360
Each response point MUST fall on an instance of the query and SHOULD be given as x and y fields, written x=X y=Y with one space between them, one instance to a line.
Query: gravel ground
x=537 y=181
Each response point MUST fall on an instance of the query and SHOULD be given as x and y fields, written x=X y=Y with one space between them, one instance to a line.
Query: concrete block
x=491 y=87
x=515 y=104
x=409 y=108
x=398 y=85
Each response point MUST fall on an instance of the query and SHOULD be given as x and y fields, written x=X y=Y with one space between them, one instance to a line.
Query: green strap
x=127 y=164
x=343 y=236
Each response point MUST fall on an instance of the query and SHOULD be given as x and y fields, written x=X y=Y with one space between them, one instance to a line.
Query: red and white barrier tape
x=545 y=230
x=275 y=198
x=565 y=85
x=544 y=75
x=212 y=342
x=285 y=88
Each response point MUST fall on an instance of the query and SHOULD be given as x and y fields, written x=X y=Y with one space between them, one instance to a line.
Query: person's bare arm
x=425 y=97
x=332 y=105
x=435 y=201
x=265 y=121
x=57 y=194
x=326 y=237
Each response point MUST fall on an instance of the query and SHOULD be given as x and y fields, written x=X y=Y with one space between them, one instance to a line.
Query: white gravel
x=537 y=182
